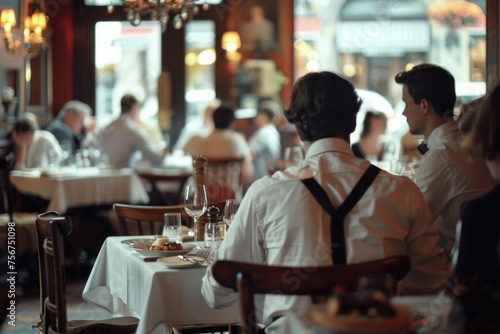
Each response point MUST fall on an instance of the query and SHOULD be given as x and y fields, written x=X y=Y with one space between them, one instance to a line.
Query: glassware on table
x=195 y=204
x=214 y=234
x=172 y=227
x=230 y=209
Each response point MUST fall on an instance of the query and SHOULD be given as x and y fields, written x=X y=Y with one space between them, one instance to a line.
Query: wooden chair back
x=250 y=279
x=148 y=220
x=224 y=179
x=156 y=176
x=51 y=231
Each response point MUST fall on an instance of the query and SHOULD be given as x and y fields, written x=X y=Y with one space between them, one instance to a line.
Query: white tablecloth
x=160 y=297
x=81 y=187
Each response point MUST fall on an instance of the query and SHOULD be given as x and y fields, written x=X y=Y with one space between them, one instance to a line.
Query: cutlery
x=184 y=258
x=151 y=259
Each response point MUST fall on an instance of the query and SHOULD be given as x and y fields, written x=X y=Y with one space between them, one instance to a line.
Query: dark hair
x=483 y=140
x=127 y=102
x=323 y=105
x=367 y=128
x=25 y=125
x=433 y=83
x=223 y=115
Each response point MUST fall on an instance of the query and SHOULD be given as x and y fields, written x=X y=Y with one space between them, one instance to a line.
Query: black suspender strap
x=338 y=215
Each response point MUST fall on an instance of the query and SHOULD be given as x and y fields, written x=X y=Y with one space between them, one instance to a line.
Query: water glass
x=172 y=227
x=214 y=234
x=230 y=209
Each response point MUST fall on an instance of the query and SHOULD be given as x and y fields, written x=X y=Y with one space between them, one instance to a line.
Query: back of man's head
x=127 y=102
x=269 y=108
x=433 y=83
x=223 y=116
x=25 y=124
x=78 y=107
x=323 y=105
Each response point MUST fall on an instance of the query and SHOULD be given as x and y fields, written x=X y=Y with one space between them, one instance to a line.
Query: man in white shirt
x=445 y=175
x=265 y=142
x=123 y=138
x=279 y=222
x=224 y=142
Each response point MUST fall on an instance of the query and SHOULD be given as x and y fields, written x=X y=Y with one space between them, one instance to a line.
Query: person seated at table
x=122 y=140
x=279 y=222
x=478 y=249
x=370 y=144
x=224 y=142
x=265 y=142
x=68 y=127
x=203 y=125
x=445 y=175
x=34 y=148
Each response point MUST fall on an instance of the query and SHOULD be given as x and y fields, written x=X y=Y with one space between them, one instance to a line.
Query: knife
x=151 y=259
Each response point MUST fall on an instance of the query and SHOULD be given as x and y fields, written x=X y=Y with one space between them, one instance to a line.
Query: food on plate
x=163 y=243
x=373 y=303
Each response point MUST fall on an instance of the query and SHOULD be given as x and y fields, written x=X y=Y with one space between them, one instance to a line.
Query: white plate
x=140 y=246
x=175 y=262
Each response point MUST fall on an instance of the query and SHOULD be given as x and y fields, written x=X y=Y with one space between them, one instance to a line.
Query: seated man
x=265 y=142
x=34 y=148
x=223 y=142
x=69 y=124
x=122 y=139
x=445 y=175
x=279 y=222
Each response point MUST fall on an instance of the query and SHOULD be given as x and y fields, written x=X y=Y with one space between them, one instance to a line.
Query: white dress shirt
x=266 y=144
x=447 y=176
x=280 y=223
x=123 y=138
x=43 y=150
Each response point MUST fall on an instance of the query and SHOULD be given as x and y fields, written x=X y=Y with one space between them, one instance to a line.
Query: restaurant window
x=200 y=66
x=369 y=42
x=127 y=60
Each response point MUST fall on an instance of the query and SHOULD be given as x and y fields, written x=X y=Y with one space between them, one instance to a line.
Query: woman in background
x=370 y=143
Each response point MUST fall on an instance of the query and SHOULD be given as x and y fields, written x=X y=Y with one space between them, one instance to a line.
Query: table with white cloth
x=161 y=297
x=79 y=187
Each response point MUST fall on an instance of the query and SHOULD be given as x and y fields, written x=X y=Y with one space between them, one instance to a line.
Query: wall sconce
x=34 y=33
x=231 y=43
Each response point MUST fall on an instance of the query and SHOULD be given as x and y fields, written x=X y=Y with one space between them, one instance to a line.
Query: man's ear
x=426 y=106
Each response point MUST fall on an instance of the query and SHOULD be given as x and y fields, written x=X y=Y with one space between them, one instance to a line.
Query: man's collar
x=435 y=138
x=329 y=144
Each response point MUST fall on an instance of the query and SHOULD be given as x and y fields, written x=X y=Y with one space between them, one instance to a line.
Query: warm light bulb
x=8 y=18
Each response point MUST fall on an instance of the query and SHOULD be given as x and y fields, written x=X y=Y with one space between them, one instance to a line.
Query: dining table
x=74 y=187
x=126 y=283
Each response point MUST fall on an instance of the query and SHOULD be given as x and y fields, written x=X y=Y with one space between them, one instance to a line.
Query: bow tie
x=422 y=148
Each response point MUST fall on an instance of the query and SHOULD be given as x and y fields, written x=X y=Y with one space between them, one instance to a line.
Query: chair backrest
x=156 y=176
x=249 y=279
x=148 y=220
x=51 y=230
x=224 y=179
x=6 y=165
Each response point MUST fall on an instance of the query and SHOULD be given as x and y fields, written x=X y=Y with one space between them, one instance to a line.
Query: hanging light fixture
x=34 y=32
x=177 y=11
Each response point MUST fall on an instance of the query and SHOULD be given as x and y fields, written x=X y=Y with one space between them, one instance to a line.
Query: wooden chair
x=224 y=179
x=148 y=220
x=249 y=279
x=155 y=177
x=51 y=229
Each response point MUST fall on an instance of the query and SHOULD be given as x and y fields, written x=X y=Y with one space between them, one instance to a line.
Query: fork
x=184 y=258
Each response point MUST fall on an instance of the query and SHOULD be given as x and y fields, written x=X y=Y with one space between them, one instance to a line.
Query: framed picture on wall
x=257 y=23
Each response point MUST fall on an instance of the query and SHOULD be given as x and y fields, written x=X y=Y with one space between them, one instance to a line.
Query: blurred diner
x=124 y=143
x=370 y=145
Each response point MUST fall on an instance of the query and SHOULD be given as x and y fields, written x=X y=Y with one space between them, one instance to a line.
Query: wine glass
x=230 y=209
x=195 y=203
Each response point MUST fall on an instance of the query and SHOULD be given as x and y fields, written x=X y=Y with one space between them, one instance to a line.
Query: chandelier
x=28 y=43
x=178 y=11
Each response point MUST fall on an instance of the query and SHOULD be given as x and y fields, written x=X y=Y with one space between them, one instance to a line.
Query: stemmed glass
x=195 y=203
x=230 y=209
